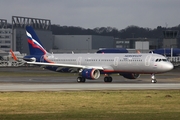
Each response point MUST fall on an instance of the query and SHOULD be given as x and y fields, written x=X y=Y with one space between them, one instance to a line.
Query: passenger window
x=156 y=60
x=159 y=60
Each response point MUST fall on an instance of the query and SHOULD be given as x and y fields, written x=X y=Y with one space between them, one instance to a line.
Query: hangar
x=41 y=26
x=81 y=43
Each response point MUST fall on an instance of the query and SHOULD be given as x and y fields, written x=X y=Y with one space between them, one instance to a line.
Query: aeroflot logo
x=35 y=43
x=132 y=55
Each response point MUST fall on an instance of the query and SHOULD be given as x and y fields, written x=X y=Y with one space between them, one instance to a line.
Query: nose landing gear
x=153 y=78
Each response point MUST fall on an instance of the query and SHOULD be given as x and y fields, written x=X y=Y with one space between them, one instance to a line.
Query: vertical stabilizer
x=35 y=45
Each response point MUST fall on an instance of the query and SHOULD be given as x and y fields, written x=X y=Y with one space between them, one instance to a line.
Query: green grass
x=91 y=105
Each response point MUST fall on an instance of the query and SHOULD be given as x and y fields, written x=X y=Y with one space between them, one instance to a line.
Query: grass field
x=91 y=105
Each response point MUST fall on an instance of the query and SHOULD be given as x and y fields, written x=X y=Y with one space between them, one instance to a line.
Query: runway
x=91 y=86
x=170 y=80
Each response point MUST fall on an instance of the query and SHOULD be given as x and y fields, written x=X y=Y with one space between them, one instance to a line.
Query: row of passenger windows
x=111 y=60
x=90 y=60
x=63 y=59
x=158 y=60
x=99 y=60
x=131 y=60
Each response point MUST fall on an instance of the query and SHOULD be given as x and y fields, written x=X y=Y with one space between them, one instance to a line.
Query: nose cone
x=169 y=66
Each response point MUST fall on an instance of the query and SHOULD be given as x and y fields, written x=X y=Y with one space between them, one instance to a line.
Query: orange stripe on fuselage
x=46 y=59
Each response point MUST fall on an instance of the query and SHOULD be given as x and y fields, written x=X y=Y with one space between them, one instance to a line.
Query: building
x=42 y=28
x=5 y=39
x=142 y=44
x=81 y=43
x=171 y=39
x=5 y=36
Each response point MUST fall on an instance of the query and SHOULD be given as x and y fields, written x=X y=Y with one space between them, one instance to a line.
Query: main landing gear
x=153 y=78
x=81 y=80
x=107 y=79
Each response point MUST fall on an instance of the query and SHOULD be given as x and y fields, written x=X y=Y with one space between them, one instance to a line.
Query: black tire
x=81 y=79
x=154 y=81
x=105 y=79
x=108 y=79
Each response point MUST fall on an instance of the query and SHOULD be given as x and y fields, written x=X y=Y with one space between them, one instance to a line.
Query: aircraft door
x=147 y=60
x=79 y=60
x=116 y=61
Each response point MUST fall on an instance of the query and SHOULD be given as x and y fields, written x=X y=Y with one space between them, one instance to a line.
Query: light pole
x=87 y=44
x=142 y=45
x=171 y=52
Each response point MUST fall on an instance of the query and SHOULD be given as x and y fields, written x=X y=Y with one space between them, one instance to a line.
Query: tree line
x=129 y=32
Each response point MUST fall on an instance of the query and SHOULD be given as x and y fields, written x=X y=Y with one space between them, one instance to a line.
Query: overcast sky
x=96 y=13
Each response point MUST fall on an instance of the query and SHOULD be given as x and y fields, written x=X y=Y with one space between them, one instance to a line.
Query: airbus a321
x=91 y=66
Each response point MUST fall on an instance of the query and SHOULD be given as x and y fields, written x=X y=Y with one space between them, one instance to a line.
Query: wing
x=66 y=65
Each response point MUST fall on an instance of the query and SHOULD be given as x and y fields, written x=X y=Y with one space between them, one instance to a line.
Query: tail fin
x=35 y=45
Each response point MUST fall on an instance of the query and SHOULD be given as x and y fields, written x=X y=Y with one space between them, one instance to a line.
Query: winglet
x=13 y=55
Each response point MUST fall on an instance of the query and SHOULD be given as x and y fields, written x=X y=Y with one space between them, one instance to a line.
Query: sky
x=96 y=13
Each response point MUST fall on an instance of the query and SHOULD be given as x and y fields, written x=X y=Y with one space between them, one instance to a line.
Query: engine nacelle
x=90 y=73
x=130 y=75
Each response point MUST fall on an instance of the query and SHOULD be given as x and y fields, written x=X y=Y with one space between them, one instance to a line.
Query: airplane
x=168 y=52
x=112 y=50
x=91 y=65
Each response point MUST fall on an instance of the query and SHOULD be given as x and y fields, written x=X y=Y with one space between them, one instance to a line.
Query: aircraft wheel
x=153 y=78
x=154 y=81
x=108 y=79
x=105 y=79
x=81 y=79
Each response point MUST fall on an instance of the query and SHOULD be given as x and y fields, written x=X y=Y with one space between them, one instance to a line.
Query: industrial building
x=142 y=44
x=15 y=38
x=41 y=26
x=171 y=39
x=5 y=36
x=81 y=43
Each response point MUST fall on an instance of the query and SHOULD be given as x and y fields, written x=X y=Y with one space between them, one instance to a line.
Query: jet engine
x=130 y=75
x=90 y=73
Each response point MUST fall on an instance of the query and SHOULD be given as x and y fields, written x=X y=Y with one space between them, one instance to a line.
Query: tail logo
x=35 y=44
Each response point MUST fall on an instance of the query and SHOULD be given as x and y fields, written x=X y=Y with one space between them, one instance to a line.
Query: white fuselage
x=115 y=63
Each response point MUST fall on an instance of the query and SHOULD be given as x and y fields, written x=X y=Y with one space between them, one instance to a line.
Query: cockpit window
x=164 y=60
x=158 y=60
